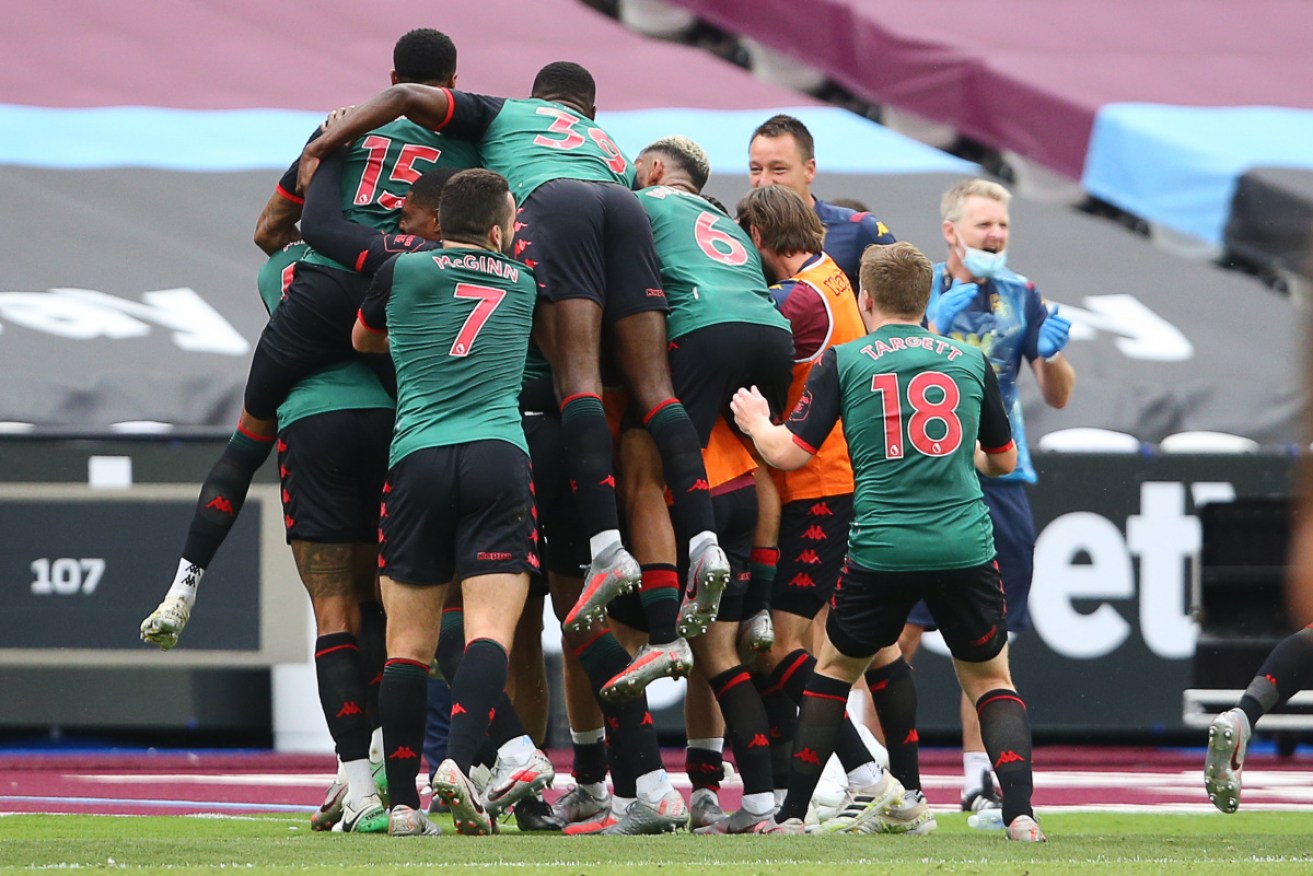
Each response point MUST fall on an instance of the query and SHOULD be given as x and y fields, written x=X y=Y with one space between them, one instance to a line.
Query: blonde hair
x=687 y=154
x=897 y=276
x=953 y=204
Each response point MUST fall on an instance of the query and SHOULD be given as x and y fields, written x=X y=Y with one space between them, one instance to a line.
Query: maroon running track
x=248 y=783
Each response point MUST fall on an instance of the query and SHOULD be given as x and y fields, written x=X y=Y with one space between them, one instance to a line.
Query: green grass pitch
x=1079 y=843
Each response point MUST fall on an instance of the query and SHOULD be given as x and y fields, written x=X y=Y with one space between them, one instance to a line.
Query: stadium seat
x=1207 y=442
x=1086 y=440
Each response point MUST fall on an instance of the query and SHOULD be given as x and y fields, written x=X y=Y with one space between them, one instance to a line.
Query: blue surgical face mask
x=982 y=263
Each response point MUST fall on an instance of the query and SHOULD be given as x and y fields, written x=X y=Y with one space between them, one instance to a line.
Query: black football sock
x=504 y=722
x=586 y=439
x=402 y=706
x=341 y=677
x=629 y=722
x=222 y=495
x=745 y=719
x=761 y=564
x=1285 y=672
x=373 y=653
x=819 y=717
x=660 y=598
x=681 y=459
x=793 y=673
x=589 y=766
x=480 y=682
x=705 y=768
x=782 y=724
x=1005 y=730
x=451 y=643
x=782 y=708
x=894 y=694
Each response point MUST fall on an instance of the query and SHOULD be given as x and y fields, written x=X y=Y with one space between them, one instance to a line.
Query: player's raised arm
x=425 y=105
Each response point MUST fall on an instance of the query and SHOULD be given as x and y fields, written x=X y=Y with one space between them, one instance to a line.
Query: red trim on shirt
x=1004 y=449
x=360 y=316
x=291 y=196
x=451 y=110
x=804 y=445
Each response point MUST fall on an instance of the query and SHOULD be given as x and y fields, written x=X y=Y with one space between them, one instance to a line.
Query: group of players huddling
x=510 y=359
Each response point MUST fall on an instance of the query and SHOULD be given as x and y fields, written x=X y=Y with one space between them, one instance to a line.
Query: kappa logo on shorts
x=492 y=556
x=520 y=245
x=912 y=736
x=647 y=720
x=608 y=481
x=814 y=533
x=820 y=509
x=533 y=561
x=287 y=497
x=289 y=521
x=282 y=471
x=802 y=579
x=350 y=707
x=282 y=446
x=809 y=556
x=403 y=752
x=699 y=484
x=457 y=709
x=759 y=740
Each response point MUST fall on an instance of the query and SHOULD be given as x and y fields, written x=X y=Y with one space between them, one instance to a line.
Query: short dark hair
x=565 y=79
x=780 y=125
x=897 y=276
x=785 y=222
x=472 y=202
x=715 y=202
x=424 y=55
x=427 y=190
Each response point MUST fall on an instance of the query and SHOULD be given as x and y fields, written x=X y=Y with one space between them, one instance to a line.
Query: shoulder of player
x=835 y=216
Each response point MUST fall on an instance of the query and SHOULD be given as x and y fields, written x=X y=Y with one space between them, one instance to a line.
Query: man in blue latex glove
x=976 y=298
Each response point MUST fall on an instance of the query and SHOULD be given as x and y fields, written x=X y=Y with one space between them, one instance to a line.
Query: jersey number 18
x=941 y=409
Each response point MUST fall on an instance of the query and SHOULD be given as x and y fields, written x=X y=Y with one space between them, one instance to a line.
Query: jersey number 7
x=488 y=299
x=924 y=412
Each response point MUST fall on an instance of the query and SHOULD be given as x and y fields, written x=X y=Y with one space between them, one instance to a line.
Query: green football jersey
x=458 y=322
x=532 y=141
x=345 y=386
x=379 y=168
x=913 y=404
x=710 y=269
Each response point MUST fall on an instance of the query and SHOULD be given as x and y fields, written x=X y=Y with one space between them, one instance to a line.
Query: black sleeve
x=817 y=411
x=995 y=430
x=287 y=183
x=348 y=243
x=322 y=224
x=470 y=115
x=374 y=309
